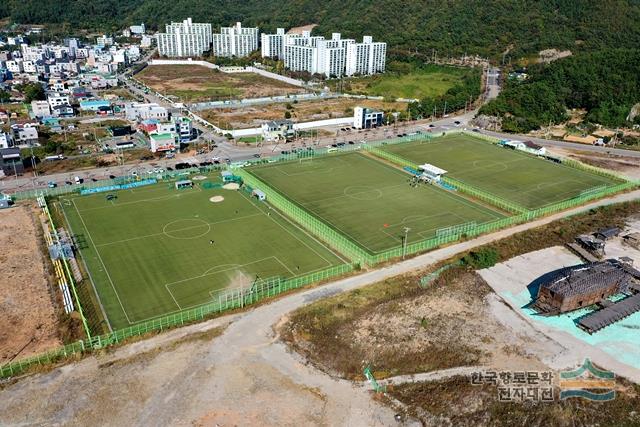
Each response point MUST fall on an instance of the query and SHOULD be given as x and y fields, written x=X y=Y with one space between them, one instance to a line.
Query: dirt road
x=244 y=376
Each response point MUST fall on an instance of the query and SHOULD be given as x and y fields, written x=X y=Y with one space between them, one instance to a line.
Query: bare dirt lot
x=194 y=83
x=629 y=166
x=399 y=328
x=28 y=320
x=303 y=111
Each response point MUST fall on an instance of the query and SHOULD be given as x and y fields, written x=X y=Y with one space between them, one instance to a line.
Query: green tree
x=5 y=96
x=33 y=92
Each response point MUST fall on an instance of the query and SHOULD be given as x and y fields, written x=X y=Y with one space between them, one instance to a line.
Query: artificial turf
x=369 y=201
x=155 y=250
x=516 y=176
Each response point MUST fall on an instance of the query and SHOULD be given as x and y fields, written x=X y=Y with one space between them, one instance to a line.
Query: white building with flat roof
x=365 y=118
x=334 y=57
x=184 y=39
x=135 y=111
x=41 y=108
x=235 y=41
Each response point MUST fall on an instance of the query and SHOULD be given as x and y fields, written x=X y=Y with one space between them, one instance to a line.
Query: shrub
x=484 y=258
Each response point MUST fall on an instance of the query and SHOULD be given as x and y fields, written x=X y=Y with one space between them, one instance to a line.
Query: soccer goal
x=456 y=229
x=306 y=160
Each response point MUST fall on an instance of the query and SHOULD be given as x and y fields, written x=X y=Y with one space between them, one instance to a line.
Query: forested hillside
x=453 y=27
x=605 y=83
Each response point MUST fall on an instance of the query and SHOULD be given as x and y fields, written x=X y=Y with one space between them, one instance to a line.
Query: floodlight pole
x=404 y=242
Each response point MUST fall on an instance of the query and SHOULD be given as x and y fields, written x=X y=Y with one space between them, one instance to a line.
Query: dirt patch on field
x=28 y=319
x=303 y=111
x=194 y=83
x=231 y=186
x=216 y=199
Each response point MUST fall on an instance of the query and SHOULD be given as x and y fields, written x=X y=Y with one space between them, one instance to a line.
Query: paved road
x=247 y=375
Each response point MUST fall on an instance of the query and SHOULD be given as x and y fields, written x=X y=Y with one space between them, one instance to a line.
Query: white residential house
x=277 y=130
x=41 y=108
x=15 y=65
x=25 y=135
x=184 y=39
x=56 y=99
x=6 y=140
x=168 y=127
x=235 y=41
x=29 y=67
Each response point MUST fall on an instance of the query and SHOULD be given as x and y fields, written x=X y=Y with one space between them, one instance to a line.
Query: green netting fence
x=393 y=158
x=318 y=228
x=484 y=196
x=222 y=301
x=69 y=189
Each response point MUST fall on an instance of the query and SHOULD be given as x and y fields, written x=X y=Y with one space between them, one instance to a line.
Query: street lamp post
x=404 y=241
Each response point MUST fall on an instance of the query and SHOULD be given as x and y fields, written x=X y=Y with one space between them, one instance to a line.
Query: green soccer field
x=369 y=201
x=512 y=175
x=156 y=250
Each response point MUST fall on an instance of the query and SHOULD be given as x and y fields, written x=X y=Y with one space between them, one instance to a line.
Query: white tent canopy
x=432 y=170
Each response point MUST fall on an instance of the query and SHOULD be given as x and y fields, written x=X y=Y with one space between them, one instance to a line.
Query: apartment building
x=272 y=45
x=184 y=39
x=368 y=57
x=316 y=55
x=235 y=41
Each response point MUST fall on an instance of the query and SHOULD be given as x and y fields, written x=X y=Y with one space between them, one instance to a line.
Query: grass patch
x=428 y=82
x=150 y=251
x=369 y=201
x=513 y=175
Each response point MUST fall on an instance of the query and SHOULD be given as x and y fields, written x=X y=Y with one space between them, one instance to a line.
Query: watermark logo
x=518 y=386
x=588 y=382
